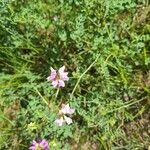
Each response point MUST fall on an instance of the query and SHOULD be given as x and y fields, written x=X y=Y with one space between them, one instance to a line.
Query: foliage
x=105 y=48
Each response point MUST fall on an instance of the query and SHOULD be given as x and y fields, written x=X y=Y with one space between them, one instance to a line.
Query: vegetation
x=105 y=47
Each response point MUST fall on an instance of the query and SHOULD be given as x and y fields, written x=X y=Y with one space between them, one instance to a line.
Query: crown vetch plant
x=106 y=46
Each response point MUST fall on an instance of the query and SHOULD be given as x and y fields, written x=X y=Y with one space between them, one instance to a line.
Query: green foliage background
x=105 y=46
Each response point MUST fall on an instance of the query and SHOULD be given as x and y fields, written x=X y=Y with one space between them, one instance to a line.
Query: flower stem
x=57 y=92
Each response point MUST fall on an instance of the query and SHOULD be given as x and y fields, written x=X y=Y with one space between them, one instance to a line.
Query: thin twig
x=125 y=106
x=83 y=75
x=44 y=100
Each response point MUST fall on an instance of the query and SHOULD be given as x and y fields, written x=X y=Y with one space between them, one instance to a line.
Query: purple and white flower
x=39 y=145
x=60 y=121
x=58 y=77
x=65 y=113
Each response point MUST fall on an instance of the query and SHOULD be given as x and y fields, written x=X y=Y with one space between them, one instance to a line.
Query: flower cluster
x=39 y=145
x=65 y=113
x=58 y=77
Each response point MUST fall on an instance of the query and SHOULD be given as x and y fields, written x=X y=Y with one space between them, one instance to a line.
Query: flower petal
x=71 y=111
x=62 y=69
x=61 y=83
x=34 y=142
x=66 y=109
x=53 y=74
x=55 y=83
x=32 y=148
x=63 y=76
x=48 y=78
x=68 y=120
x=44 y=144
x=59 y=122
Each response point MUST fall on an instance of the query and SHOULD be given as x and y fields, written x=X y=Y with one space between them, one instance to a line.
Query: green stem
x=57 y=92
x=125 y=106
x=44 y=100
x=85 y=73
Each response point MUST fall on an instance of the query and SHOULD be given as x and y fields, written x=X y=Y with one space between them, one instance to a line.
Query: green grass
x=106 y=50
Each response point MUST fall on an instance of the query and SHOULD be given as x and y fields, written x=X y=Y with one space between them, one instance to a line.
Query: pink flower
x=60 y=121
x=66 y=109
x=58 y=77
x=42 y=145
